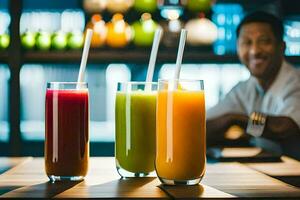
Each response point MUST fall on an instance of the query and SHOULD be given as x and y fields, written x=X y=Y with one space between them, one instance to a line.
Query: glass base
x=54 y=178
x=127 y=174
x=180 y=182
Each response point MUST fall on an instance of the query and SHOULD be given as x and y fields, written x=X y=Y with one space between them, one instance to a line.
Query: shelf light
x=170 y=9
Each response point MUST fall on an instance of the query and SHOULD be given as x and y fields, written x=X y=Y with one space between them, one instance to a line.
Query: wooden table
x=222 y=180
x=287 y=171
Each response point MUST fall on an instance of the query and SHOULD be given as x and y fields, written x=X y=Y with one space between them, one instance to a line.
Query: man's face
x=259 y=50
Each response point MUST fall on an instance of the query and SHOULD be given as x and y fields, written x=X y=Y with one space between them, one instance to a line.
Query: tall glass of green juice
x=135 y=128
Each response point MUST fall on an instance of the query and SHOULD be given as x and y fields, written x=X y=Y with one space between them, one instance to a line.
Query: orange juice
x=180 y=138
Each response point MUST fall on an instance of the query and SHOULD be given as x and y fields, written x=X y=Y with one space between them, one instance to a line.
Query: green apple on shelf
x=4 y=41
x=28 y=40
x=59 y=40
x=43 y=40
x=75 y=40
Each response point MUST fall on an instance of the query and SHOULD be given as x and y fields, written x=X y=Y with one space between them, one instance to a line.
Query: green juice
x=135 y=131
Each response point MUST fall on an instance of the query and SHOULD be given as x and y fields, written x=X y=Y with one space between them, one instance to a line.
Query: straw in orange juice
x=181 y=145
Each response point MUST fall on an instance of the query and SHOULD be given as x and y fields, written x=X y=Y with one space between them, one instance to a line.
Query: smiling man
x=267 y=105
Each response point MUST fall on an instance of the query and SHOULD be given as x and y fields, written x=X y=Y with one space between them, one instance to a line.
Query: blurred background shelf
x=3 y=56
x=107 y=56
x=294 y=60
x=127 y=56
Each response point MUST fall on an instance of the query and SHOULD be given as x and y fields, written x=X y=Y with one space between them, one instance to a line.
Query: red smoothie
x=67 y=128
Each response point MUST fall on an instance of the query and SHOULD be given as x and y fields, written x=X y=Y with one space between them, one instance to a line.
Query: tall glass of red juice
x=67 y=131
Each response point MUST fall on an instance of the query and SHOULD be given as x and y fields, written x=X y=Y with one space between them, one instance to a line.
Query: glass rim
x=138 y=82
x=180 y=80
x=67 y=83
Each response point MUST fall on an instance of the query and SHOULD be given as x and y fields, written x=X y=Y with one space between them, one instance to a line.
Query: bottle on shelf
x=118 y=32
x=143 y=30
x=97 y=24
x=201 y=31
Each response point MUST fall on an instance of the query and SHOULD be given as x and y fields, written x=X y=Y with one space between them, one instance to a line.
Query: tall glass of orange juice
x=180 y=132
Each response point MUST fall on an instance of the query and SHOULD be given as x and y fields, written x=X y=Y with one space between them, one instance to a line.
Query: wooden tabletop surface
x=222 y=180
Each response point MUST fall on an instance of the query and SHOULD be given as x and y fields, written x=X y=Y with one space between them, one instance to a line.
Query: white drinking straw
x=153 y=56
x=183 y=36
x=84 y=56
x=170 y=99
